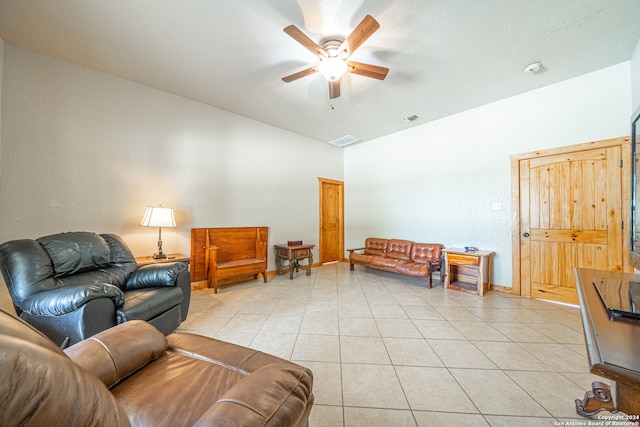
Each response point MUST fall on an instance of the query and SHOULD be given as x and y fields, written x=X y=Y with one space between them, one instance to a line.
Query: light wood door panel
x=331 y=220
x=569 y=214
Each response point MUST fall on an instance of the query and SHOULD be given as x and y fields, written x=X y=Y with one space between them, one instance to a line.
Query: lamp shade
x=158 y=216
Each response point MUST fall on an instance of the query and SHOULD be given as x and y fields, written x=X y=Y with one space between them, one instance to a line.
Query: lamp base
x=159 y=256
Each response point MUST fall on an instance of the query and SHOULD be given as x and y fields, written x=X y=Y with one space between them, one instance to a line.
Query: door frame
x=340 y=184
x=516 y=242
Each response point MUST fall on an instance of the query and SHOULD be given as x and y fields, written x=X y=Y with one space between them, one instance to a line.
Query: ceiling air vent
x=411 y=118
x=344 y=140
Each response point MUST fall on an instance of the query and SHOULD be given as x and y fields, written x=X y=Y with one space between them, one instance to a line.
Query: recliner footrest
x=145 y=304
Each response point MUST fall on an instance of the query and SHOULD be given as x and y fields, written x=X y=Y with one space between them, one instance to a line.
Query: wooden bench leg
x=351 y=266
x=264 y=276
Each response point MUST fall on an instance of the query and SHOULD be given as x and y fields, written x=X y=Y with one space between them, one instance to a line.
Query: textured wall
x=635 y=77
x=82 y=150
x=438 y=182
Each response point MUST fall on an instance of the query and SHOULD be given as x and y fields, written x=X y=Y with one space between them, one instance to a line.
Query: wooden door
x=571 y=206
x=331 y=220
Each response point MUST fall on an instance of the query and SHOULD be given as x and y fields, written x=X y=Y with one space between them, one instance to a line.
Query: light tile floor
x=387 y=351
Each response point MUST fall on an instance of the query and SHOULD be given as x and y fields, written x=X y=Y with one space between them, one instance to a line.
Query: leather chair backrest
x=76 y=252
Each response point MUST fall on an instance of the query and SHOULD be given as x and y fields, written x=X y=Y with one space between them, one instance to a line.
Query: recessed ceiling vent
x=344 y=140
x=411 y=118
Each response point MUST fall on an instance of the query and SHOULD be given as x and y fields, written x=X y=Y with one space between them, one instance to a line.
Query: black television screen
x=634 y=258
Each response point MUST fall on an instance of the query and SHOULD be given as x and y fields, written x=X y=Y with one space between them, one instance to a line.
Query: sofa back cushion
x=425 y=252
x=400 y=249
x=76 y=252
x=375 y=246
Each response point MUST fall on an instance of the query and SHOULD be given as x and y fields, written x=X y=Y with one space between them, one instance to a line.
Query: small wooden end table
x=294 y=254
x=613 y=347
x=177 y=257
x=467 y=271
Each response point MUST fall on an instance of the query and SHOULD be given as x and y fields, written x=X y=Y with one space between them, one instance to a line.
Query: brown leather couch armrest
x=116 y=353
x=238 y=358
x=274 y=395
x=356 y=249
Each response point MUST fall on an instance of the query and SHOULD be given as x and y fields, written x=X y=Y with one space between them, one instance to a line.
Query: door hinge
x=621 y=162
x=623 y=225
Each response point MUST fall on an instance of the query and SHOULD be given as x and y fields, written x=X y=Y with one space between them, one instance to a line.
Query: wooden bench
x=224 y=255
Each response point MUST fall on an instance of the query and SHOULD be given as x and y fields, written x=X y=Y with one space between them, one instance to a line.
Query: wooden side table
x=177 y=257
x=294 y=254
x=613 y=347
x=467 y=271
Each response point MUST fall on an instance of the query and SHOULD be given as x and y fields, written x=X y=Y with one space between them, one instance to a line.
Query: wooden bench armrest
x=261 y=249
x=212 y=256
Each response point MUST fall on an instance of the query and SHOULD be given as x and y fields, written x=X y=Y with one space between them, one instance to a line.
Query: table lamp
x=158 y=216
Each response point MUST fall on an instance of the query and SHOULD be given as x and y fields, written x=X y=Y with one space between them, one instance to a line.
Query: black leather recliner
x=73 y=285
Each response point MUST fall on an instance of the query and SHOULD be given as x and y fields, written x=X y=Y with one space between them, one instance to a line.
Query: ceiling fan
x=334 y=55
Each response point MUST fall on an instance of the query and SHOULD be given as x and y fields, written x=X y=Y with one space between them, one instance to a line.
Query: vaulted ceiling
x=444 y=56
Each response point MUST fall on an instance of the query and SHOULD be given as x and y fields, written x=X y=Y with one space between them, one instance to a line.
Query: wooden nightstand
x=146 y=260
x=467 y=271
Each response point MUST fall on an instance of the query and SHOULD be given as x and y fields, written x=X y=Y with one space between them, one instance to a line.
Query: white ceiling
x=444 y=56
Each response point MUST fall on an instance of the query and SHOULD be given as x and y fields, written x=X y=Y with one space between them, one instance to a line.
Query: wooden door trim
x=517 y=198
x=340 y=184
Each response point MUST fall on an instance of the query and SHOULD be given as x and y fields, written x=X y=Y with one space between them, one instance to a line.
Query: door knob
x=525 y=234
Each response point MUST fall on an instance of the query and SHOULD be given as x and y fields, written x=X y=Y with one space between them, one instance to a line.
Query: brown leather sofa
x=132 y=374
x=399 y=256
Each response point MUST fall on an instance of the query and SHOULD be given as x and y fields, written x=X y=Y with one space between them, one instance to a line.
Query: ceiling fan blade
x=362 y=32
x=305 y=41
x=334 y=89
x=367 y=70
x=300 y=74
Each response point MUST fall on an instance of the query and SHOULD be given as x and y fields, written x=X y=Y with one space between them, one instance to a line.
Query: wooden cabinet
x=467 y=271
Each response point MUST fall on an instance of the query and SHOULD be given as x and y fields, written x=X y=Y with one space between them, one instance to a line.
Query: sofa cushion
x=198 y=374
x=76 y=251
x=145 y=304
x=425 y=252
x=356 y=258
x=375 y=246
x=400 y=249
x=384 y=262
x=413 y=269
x=113 y=275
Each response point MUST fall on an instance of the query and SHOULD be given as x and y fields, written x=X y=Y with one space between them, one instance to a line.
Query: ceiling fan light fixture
x=332 y=68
